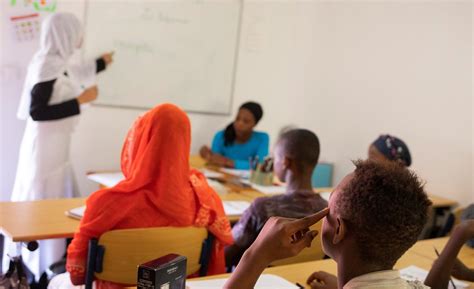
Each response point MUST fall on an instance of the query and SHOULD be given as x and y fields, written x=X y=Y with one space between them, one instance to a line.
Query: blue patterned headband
x=393 y=148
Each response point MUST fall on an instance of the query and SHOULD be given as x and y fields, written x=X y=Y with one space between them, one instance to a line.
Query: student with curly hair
x=375 y=215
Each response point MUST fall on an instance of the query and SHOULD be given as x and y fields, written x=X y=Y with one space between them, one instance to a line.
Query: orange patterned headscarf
x=155 y=156
x=159 y=186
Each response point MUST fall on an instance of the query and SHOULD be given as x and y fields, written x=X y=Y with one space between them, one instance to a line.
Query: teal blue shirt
x=240 y=153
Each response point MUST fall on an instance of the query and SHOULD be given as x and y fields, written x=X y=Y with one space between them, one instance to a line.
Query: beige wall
x=349 y=71
x=472 y=101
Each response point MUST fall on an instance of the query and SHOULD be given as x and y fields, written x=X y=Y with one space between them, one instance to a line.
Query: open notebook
x=413 y=273
x=266 y=281
x=231 y=208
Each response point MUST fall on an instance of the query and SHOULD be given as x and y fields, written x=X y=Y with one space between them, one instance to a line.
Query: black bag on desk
x=15 y=278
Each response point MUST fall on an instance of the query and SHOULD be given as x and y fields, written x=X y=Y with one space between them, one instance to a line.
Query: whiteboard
x=179 y=51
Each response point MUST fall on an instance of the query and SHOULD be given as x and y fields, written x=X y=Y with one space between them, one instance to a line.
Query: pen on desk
x=299 y=285
x=450 y=279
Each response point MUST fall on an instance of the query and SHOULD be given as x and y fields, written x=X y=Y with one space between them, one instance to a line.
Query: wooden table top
x=425 y=248
x=37 y=220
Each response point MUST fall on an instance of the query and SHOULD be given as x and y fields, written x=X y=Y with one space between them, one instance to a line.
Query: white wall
x=347 y=70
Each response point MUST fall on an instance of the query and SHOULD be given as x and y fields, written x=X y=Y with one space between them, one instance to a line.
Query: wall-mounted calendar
x=25 y=27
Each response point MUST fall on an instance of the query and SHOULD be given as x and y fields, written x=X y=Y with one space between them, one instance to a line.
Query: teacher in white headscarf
x=55 y=87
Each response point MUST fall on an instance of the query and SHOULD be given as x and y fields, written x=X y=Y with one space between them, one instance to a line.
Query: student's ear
x=340 y=232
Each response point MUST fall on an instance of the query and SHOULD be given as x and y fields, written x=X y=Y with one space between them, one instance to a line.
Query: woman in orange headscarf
x=159 y=190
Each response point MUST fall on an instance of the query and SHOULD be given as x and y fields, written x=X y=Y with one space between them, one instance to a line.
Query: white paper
x=413 y=273
x=212 y=174
x=76 y=213
x=269 y=190
x=266 y=281
x=235 y=208
x=218 y=187
x=325 y=195
x=106 y=179
x=245 y=174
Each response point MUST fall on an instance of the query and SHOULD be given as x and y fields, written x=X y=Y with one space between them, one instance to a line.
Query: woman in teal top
x=234 y=146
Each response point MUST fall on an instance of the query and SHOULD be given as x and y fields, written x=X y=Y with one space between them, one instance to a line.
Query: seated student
x=234 y=146
x=159 y=190
x=447 y=264
x=387 y=147
x=375 y=215
x=296 y=155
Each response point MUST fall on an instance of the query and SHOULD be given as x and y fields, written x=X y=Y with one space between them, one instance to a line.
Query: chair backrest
x=124 y=250
x=322 y=175
x=315 y=252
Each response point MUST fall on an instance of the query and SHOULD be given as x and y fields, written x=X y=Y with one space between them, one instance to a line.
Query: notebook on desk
x=76 y=213
x=244 y=174
x=235 y=208
x=231 y=208
x=414 y=273
x=266 y=281
x=106 y=179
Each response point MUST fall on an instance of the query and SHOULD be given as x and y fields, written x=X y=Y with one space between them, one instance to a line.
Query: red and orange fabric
x=159 y=189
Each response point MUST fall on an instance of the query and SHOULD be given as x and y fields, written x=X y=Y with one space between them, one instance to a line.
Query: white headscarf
x=61 y=35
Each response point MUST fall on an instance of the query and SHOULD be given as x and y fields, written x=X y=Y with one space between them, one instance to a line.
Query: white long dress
x=44 y=167
x=45 y=172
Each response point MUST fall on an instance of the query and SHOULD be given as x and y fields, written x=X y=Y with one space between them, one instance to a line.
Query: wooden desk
x=425 y=248
x=38 y=220
x=46 y=219
x=439 y=202
x=298 y=273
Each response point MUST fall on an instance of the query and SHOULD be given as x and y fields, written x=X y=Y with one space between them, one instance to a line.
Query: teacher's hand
x=205 y=152
x=90 y=94
x=108 y=57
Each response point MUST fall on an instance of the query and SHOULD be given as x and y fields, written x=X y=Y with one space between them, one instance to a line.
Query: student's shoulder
x=261 y=135
x=219 y=134
x=260 y=202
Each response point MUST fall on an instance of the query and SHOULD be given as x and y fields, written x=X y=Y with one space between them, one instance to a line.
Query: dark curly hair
x=385 y=207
